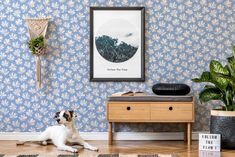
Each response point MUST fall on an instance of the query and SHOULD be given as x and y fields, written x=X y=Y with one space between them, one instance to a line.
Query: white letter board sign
x=209 y=142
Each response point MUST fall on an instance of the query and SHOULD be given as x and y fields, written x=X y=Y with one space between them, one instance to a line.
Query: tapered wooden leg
x=110 y=133
x=185 y=132
x=189 y=132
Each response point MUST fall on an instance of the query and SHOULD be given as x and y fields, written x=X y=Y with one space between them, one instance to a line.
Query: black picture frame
x=141 y=78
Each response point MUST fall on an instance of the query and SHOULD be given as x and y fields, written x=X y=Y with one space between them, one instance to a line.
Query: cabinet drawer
x=130 y=112
x=172 y=112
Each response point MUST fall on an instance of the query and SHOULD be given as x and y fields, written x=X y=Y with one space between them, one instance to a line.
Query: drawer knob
x=128 y=108
x=170 y=108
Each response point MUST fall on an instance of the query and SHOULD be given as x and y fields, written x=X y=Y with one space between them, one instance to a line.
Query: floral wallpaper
x=182 y=36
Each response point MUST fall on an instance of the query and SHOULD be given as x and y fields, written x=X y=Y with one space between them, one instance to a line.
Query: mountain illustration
x=113 y=50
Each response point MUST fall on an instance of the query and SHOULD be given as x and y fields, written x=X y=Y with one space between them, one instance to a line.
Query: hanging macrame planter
x=37 y=31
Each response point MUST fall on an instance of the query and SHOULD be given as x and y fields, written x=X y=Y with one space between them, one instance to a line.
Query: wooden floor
x=123 y=147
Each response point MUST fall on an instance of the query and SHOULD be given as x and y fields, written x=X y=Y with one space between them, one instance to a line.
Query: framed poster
x=117 y=44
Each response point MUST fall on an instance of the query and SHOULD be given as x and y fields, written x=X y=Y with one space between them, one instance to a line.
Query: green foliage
x=113 y=51
x=35 y=44
x=223 y=80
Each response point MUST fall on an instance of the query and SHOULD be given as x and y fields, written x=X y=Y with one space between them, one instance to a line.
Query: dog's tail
x=23 y=142
x=32 y=141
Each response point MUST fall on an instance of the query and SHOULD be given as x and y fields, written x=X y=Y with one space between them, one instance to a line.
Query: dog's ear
x=57 y=114
x=71 y=113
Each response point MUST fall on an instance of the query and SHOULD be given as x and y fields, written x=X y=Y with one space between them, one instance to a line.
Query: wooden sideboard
x=154 y=112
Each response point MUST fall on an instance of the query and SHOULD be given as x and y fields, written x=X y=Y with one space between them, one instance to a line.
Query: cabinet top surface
x=150 y=98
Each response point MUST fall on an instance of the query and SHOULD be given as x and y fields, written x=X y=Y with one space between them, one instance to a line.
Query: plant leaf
x=228 y=99
x=209 y=86
x=220 y=82
x=205 y=77
x=210 y=94
x=217 y=67
x=228 y=79
x=231 y=65
x=233 y=48
x=231 y=61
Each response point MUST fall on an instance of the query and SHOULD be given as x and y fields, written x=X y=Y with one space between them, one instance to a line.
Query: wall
x=181 y=38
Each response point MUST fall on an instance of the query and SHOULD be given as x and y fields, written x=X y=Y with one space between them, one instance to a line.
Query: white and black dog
x=63 y=133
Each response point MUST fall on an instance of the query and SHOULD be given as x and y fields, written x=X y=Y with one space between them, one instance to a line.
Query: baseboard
x=104 y=135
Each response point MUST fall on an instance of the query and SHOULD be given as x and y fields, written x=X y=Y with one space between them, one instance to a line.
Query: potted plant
x=221 y=87
x=37 y=47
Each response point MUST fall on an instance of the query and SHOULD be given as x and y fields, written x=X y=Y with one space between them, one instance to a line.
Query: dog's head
x=64 y=117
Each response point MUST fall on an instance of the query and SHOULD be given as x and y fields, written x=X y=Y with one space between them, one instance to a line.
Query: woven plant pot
x=223 y=122
x=40 y=51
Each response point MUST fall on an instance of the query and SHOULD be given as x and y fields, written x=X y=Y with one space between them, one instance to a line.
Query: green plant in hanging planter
x=36 y=45
x=222 y=83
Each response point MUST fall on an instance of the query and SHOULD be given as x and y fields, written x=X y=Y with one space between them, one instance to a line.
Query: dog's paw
x=73 y=150
x=94 y=149
x=44 y=143
x=20 y=142
x=87 y=146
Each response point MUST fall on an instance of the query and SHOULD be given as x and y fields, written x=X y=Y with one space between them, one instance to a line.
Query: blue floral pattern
x=182 y=36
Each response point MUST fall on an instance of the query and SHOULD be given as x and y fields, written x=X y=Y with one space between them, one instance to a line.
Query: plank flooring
x=123 y=147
